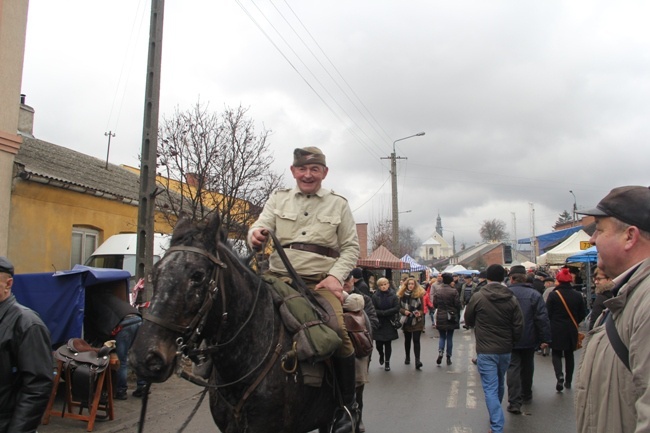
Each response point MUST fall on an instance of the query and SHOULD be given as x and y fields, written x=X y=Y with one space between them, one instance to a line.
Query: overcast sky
x=520 y=101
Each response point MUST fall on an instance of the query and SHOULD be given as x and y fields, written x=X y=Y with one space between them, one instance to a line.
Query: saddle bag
x=84 y=363
x=314 y=340
x=355 y=323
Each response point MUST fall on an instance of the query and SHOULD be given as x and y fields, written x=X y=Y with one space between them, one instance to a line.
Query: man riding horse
x=318 y=233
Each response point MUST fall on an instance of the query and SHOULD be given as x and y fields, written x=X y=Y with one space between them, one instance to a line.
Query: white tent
x=559 y=254
x=454 y=268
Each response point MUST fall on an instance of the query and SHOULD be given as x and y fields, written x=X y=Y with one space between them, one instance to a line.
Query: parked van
x=119 y=252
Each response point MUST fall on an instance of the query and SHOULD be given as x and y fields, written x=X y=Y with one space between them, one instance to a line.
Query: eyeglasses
x=600 y=278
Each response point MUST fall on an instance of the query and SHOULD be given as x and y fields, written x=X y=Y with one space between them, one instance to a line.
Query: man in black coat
x=359 y=284
x=26 y=369
x=537 y=333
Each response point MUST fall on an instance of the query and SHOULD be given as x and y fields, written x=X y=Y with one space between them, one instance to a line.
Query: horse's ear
x=182 y=224
x=214 y=227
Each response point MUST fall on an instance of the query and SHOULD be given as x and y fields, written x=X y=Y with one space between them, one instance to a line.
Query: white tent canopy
x=559 y=254
x=454 y=268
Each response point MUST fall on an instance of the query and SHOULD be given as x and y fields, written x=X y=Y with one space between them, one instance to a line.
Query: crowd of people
x=513 y=314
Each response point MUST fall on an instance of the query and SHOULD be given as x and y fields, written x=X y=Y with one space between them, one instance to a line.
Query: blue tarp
x=60 y=298
x=549 y=239
x=590 y=255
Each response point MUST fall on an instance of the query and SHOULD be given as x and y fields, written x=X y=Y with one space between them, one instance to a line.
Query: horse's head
x=184 y=287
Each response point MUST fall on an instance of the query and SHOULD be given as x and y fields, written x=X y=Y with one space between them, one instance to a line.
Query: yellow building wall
x=42 y=218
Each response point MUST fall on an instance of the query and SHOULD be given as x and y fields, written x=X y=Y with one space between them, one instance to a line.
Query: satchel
x=581 y=335
x=355 y=323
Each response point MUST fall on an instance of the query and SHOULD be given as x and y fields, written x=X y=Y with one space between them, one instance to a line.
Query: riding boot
x=360 y=427
x=345 y=417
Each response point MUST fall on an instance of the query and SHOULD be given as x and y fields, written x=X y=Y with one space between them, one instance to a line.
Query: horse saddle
x=84 y=363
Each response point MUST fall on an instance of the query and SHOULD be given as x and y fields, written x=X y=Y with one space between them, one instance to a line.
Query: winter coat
x=563 y=332
x=413 y=303
x=609 y=397
x=371 y=314
x=537 y=328
x=387 y=307
x=495 y=313
x=467 y=292
x=26 y=367
x=446 y=300
x=603 y=293
x=361 y=287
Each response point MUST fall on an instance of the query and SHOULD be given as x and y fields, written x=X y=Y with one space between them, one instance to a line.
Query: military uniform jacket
x=324 y=219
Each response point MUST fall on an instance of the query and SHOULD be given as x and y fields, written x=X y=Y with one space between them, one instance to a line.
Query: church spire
x=439 y=224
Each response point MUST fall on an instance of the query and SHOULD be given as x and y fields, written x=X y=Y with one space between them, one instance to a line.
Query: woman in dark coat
x=447 y=302
x=411 y=298
x=386 y=306
x=563 y=331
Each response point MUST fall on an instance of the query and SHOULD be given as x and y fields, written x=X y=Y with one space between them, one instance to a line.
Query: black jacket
x=26 y=368
x=537 y=328
x=564 y=332
x=386 y=307
x=496 y=315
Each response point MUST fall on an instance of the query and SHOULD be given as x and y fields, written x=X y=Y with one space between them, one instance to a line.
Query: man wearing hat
x=318 y=233
x=496 y=315
x=537 y=333
x=612 y=389
x=26 y=369
x=359 y=284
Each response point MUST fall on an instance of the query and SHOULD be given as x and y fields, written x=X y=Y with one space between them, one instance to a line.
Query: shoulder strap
x=617 y=344
x=567 y=308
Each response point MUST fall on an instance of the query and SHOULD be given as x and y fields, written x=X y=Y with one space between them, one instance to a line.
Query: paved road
x=446 y=399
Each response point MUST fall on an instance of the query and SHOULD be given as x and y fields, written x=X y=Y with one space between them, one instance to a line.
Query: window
x=84 y=242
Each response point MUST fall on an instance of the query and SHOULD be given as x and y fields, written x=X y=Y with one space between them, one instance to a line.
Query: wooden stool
x=103 y=380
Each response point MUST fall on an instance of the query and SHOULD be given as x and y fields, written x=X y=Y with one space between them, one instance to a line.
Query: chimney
x=362 y=234
x=25 y=119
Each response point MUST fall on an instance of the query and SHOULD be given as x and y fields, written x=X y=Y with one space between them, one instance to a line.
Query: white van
x=118 y=252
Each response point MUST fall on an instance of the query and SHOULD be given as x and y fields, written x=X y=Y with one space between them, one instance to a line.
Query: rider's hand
x=258 y=238
x=333 y=285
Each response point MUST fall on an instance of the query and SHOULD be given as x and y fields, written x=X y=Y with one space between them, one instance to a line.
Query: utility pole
x=514 y=229
x=147 y=197
x=533 y=239
x=393 y=178
x=109 y=134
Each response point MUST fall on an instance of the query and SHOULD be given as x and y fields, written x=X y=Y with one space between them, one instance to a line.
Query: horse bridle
x=191 y=333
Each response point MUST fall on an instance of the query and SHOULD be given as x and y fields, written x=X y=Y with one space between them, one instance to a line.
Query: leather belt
x=313 y=248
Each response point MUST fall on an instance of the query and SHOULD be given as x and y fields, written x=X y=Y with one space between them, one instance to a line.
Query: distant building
x=435 y=247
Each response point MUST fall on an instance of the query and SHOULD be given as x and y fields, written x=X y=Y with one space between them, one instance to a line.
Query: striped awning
x=381 y=258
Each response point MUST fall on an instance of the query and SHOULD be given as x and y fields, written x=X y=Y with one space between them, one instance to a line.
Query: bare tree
x=382 y=234
x=217 y=163
x=493 y=230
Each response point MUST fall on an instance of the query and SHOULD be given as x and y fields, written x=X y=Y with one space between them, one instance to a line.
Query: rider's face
x=309 y=177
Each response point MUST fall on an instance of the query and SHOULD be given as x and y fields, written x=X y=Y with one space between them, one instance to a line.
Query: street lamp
x=393 y=173
x=575 y=208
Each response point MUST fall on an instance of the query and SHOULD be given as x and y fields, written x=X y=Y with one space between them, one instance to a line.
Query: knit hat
x=308 y=155
x=357 y=273
x=564 y=276
x=495 y=273
x=354 y=302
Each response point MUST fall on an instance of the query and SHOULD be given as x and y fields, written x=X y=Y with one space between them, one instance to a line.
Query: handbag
x=581 y=335
x=396 y=322
x=451 y=316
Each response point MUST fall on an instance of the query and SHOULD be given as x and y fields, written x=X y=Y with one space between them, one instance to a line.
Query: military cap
x=308 y=155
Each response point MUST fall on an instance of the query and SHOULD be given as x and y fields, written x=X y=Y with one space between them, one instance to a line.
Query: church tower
x=439 y=224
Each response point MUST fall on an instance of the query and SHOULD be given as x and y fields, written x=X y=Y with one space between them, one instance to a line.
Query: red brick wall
x=362 y=233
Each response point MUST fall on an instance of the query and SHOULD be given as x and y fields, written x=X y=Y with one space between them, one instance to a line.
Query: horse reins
x=196 y=326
